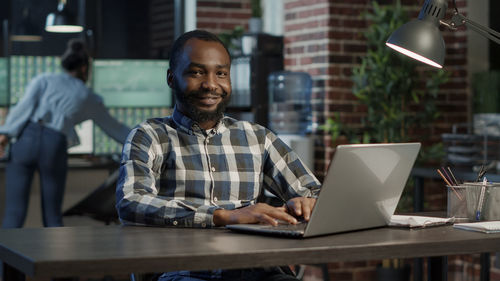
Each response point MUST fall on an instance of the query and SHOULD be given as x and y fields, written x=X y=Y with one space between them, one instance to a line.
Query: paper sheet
x=418 y=221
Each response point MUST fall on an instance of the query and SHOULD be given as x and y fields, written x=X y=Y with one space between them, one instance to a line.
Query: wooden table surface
x=74 y=251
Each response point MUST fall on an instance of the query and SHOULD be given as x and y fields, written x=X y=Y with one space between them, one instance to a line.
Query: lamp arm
x=459 y=19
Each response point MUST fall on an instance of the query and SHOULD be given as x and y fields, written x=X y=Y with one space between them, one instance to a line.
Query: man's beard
x=197 y=115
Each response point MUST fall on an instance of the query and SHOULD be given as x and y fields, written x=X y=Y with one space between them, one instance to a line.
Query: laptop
x=361 y=190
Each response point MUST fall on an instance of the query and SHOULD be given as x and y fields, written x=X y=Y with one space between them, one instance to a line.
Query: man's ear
x=170 y=78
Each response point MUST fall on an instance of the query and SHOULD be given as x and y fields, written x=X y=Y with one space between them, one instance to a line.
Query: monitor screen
x=4 y=94
x=85 y=132
x=132 y=83
x=105 y=145
x=24 y=68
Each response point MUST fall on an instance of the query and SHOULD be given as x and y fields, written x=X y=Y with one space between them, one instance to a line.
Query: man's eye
x=195 y=72
x=222 y=74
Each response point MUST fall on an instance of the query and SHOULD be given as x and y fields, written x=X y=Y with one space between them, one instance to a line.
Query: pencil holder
x=457 y=203
x=483 y=201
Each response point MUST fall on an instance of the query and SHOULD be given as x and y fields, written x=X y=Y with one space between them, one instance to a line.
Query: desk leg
x=438 y=268
x=418 y=194
x=12 y=274
x=485 y=267
x=418 y=269
x=418 y=206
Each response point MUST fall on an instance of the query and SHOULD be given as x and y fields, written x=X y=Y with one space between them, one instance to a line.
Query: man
x=198 y=168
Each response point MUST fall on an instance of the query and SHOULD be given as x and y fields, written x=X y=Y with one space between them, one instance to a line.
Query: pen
x=481 y=199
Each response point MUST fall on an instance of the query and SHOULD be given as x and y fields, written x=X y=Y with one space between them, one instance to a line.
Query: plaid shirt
x=173 y=173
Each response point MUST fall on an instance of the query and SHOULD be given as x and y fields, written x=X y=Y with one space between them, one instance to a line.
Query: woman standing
x=41 y=128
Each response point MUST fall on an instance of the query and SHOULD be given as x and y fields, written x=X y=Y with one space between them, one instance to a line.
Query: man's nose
x=209 y=83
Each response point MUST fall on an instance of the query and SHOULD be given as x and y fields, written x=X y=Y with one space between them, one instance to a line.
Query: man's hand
x=258 y=213
x=4 y=140
x=301 y=206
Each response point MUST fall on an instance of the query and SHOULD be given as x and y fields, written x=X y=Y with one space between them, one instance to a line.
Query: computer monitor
x=132 y=83
x=24 y=68
x=4 y=94
x=133 y=91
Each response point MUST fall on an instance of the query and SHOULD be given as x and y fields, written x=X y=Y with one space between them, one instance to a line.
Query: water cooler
x=290 y=112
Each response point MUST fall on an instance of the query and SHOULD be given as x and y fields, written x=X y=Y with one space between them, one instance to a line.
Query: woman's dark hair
x=179 y=43
x=75 y=56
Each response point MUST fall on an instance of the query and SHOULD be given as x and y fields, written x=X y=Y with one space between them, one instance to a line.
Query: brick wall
x=219 y=16
x=325 y=39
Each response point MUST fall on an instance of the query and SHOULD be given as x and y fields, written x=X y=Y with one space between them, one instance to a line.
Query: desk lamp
x=62 y=20
x=421 y=39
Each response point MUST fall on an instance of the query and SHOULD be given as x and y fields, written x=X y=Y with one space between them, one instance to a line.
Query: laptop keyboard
x=286 y=229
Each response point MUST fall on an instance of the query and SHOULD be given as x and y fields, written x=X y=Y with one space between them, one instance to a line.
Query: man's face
x=202 y=80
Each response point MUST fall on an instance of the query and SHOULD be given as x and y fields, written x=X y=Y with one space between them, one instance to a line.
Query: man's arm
x=286 y=176
x=137 y=195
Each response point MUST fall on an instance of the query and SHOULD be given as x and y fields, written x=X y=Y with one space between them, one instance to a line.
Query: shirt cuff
x=204 y=216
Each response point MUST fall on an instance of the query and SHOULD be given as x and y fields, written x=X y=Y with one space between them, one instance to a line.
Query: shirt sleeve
x=285 y=175
x=138 y=189
x=21 y=113
x=100 y=115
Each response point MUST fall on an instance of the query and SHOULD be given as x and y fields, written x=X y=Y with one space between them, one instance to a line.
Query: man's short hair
x=179 y=43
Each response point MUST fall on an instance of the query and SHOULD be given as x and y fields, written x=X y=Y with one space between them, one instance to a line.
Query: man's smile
x=208 y=99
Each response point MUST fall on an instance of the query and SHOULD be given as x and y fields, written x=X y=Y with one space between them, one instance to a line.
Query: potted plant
x=397 y=92
x=255 y=22
x=389 y=84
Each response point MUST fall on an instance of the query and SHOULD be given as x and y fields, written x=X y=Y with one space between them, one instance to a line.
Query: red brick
x=240 y=15
x=356 y=48
x=302 y=26
x=211 y=15
x=294 y=50
x=341 y=59
x=334 y=47
x=305 y=61
x=342 y=35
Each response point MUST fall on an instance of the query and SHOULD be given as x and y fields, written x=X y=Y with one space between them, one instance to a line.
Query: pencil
x=450 y=185
x=450 y=179
x=451 y=173
x=444 y=178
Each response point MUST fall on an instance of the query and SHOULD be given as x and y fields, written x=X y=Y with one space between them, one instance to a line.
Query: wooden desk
x=74 y=251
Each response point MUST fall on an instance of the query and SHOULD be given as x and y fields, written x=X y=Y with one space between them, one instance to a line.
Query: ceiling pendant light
x=62 y=20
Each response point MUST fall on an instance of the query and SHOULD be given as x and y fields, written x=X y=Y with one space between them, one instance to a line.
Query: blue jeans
x=43 y=149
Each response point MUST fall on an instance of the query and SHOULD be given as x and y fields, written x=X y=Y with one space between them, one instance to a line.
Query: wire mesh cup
x=483 y=201
x=457 y=202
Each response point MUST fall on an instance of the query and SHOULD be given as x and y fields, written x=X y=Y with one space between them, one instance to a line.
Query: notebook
x=484 y=226
x=361 y=190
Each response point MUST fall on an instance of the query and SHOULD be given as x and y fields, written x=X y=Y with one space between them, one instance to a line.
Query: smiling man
x=199 y=168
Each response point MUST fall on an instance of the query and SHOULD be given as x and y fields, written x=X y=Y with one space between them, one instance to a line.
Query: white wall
x=273 y=16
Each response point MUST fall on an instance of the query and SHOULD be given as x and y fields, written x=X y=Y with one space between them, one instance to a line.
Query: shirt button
x=203 y=225
x=174 y=222
x=215 y=199
x=213 y=169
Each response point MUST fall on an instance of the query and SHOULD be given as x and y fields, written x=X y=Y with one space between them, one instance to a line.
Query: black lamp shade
x=421 y=40
x=62 y=21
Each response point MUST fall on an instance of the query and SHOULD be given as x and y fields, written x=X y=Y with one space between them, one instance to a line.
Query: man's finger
x=306 y=209
x=265 y=219
x=283 y=216
x=297 y=207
